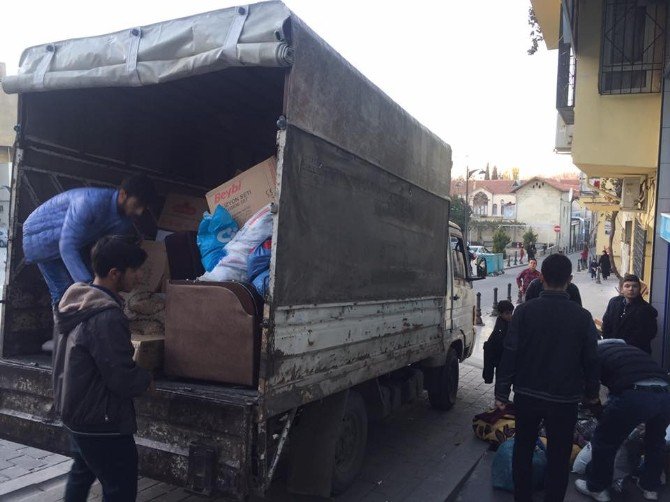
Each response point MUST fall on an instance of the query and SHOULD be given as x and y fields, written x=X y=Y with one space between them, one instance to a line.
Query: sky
x=460 y=68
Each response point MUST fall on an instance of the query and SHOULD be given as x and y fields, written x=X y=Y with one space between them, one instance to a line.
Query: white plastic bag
x=582 y=460
x=233 y=266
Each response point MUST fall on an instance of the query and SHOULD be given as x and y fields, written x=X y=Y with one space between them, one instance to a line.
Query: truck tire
x=350 y=448
x=443 y=386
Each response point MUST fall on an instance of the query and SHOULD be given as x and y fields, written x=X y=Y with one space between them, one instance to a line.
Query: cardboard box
x=182 y=213
x=155 y=269
x=149 y=351
x=247 y=193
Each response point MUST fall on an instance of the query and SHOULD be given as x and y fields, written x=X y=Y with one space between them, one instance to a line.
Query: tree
x=487 y=174
x=536 y=35
x=500 y=240
x=515 y=173
x=529 y=238
x=458 y=211
x=494 y=175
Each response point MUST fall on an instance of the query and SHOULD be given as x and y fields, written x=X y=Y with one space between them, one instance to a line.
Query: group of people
x=80 y=241
x=550 y=353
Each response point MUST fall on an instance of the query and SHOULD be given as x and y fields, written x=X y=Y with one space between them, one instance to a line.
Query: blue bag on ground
x=215 y=231
x=501 y=469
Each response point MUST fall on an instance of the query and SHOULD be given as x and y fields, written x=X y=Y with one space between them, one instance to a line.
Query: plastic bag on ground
x=233 y=266
x=582 y=460
x=501 y=468
x=215 y=231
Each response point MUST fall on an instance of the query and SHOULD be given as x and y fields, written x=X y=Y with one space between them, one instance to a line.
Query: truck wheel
x=443 y=386
x=350 y=448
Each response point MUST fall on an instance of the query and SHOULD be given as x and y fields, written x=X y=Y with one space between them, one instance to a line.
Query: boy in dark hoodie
x=493 y=347
x=95 y=378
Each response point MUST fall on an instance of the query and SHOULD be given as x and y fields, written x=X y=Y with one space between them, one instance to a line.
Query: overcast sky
x=460 y=68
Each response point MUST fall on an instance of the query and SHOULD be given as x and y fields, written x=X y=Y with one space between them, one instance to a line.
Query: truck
x=370 y=298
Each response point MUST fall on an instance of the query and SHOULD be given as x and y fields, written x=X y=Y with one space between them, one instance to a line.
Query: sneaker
x=648 y=495
x=583 y=488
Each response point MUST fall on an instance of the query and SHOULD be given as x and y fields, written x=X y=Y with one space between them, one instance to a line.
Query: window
x=633 y=46
x=458 y=258
x=495 y=210
x=480 y=203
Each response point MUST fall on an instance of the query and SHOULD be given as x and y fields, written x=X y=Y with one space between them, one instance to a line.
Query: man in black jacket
x=639 y=393
x=536 y=287
x=550 y=359
x=629 y=317
x=493 y=347
x=95 y=377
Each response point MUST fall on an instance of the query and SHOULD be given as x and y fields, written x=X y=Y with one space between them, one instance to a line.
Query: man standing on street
x=536 y=287
x=629 y=317
x=95 y=378
x=639 y=393
x=57 y=233
x=550 y=359
x=527 y=276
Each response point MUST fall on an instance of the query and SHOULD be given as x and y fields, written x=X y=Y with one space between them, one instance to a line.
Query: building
x=8 y=106
x=493 y=204
x=615 y=123
x=545 y=205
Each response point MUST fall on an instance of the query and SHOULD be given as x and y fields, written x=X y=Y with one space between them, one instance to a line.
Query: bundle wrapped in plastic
x=233 y=266
x=146 y=313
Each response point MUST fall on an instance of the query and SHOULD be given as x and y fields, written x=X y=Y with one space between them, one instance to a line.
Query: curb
x=26 y=484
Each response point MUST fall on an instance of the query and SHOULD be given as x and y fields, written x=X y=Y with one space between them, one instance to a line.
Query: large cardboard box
x=247 y=193
x=155 y=269
x=182 y=213
x=149 y=351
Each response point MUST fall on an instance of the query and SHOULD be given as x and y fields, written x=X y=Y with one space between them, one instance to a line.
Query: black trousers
x=110 y=459
x=559 y=422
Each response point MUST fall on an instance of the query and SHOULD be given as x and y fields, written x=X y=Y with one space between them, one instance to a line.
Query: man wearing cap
x=639 y=393
x=629 y=317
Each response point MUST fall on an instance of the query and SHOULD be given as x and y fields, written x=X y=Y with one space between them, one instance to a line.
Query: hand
x=500 y=405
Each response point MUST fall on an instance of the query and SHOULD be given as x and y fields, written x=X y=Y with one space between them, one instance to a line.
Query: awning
x=249 y=35
x=664 y=229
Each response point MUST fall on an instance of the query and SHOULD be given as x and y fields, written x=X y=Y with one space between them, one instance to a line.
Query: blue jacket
x=66 y=223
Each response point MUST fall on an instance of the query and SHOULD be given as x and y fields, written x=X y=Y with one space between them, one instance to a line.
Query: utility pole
x=466 y=230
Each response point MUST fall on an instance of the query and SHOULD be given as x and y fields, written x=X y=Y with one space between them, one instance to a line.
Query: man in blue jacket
x=57 y=232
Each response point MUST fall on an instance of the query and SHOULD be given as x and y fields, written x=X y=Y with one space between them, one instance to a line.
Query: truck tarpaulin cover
x=247 y=35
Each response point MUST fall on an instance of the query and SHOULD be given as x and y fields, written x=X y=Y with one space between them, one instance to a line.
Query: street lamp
x=468 y=174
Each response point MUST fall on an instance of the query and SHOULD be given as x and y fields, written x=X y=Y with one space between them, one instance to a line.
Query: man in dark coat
x=550 y=358
x=536 y=287
x=493 y=347
x=605 y=264
x=629 y=317
x=639 y=393
x=95 y=378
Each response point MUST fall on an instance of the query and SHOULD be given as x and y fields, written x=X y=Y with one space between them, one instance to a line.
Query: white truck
x=370 y=299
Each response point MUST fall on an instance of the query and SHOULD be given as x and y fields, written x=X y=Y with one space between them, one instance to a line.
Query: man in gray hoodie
x=95 y=378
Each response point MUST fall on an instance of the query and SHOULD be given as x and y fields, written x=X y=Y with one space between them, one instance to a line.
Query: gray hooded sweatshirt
x=95 y=378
